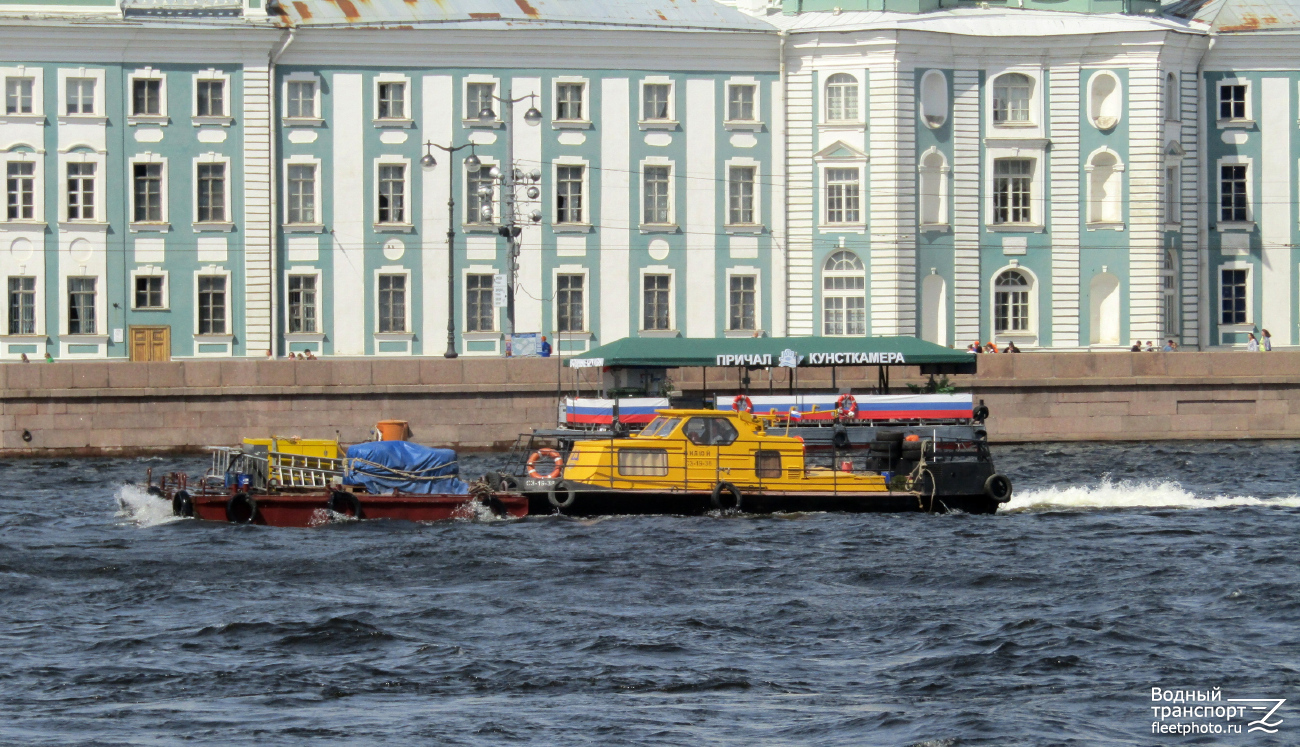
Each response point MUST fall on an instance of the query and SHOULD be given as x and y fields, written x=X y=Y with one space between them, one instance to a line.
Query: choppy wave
x=1108 y=494
x=142 y=509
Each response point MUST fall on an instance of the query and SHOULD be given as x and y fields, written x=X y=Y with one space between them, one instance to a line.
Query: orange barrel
x=393 y=430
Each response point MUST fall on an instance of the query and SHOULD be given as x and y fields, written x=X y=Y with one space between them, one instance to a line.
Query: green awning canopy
x=762 y=352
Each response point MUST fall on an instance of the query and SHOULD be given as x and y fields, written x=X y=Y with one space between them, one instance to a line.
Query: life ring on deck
x=847 y=404
x=743 y=402
x=182 y=504
x=717 y=501
x=537 y=456
x=553 y=495
x=241 y=509
x=998 y=488
x=343 y=502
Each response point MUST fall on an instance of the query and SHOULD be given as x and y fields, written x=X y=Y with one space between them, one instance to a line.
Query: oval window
x=1104 y=100
x=934 y=99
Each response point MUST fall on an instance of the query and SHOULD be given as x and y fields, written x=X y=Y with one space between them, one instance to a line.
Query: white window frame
x=1172 y=194
x=755 y=124
x=147 y=73
x=1034 y=151
x=212 y=271
x=823 y=294
x=37 y=158
x=942 y=173
x=496 y=105
x=1032 y=128
x=1094 y=114
x=555 y=299
x=1225 y=225
x=408 y=334
x=485 y=226
x=318 y=225
x=319 y=334
x=672 y=301
x=301 y=77
x=1089 y=168
x=823 y=99
x=1249 y=324
x=101 y=166
x=1169 y=294
x=671 y=225
x=581 y=123
x=672 y=121
x=152 y=271
x=1249 y=119
x=225 y=225
x=224 y=119
x=98 y=116
x=466 y=334
x=863 y=201
x=757 y=225
x=1029 y=336
x=408 y=206
x=744 y=271
x=100 y=334
x=408 y=101
x=38 y=308
x=37 y=74
x=584 y=226
x=164 y=224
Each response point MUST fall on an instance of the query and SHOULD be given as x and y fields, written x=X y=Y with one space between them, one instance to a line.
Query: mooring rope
x=420 y=475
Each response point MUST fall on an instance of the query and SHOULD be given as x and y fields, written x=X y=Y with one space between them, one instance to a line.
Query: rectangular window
x=1232 y=193
x=148 y=192
x=212 y=192
x=1232 y=102
x=81 y=191
x=1173 y=198
x=212 y=98
x=643 y=462
x=80 y=96
x=568 y=194
x=843 y=200
x=146 y=97
x=212 y=305
x=20 y=185
x=740 y=103
x=740 y=207
x=744 y=292
x=479 y=312
x=478 y=96
x=655 y=98
x=302 y=303
x=1011 y=310
x=656 y=183
x=1011 y=94
x=302 y=193
x=568 y=100
x=22 y=306
x=1012 y=188
x=392 y=303
x=767 y=464
x=1233 y=294
x=392 y=193
x=81 y=306
x=392 y=101
x=302 y=99
x=568 y=303
x=475 y=203
x=149 y=292
x=844 y=315
x=18 y=95
x=657 y=302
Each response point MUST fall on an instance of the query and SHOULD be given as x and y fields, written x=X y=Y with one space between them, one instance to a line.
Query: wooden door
x=151 y=343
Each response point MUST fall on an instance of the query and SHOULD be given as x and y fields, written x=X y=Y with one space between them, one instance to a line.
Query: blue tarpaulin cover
x=385 y=466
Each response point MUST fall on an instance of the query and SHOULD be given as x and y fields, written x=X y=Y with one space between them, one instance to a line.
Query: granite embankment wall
x=103 y=407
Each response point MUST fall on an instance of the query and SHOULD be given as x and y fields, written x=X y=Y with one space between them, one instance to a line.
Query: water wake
x=1128 y=494
x=143 y=510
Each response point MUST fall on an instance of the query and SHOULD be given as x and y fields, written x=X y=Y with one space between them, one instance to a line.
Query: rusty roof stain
x=1240 y=16
x=680 y=15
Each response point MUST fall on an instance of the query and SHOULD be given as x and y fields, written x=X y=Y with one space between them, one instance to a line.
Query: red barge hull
x=312 y=509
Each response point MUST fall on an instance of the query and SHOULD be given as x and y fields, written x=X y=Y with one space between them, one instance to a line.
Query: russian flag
x=795 y=414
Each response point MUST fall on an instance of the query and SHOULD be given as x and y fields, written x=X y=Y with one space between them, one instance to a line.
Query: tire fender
x=716 y=499
x=241 y=509
x=553 y=495
x=182 y=505
x=998 y=488
x=343 y=502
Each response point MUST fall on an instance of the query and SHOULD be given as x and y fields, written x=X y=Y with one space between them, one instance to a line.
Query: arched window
x=841 y=98
x=1011 y=94
x=934 y=189
x=844 y=295
x=1105 y=100
x=934 y=98
x=1105 y=185
x=1172 y=113
x=1169 y=294
x=1011 y=292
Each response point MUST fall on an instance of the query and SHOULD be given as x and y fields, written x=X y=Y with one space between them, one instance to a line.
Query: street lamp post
x=471 y=163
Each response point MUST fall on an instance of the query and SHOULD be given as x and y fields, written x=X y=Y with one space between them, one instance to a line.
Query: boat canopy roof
x=763 y=352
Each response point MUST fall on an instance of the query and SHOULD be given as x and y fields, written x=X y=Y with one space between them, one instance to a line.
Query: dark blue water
x=1044 y=625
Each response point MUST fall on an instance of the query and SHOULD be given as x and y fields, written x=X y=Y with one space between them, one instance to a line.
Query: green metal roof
x=761 y=352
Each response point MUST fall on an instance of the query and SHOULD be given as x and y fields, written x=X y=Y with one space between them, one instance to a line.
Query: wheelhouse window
x=843 y=196
x=479 y=316
x=392 y=101
x=212 y=193
x=20 y=188
x=740 y=188
x=79 y=96
x=302 y=193
x=22 y=306
x=841 y=98
x=1013 y=190
x=1011 y=96
x=478 y=96
x=212 y=305
x=211 y=98
x=1011 y=302
x=743 y=302
x=844 y=295
x=81 y=306
x=148 y=193
x=146 y=97
x=643 y=462
x=1233 y=296
x=302 y=303
x=81 y=191
x=392 y=303
x=740 y=102
x=1232 y=101
x=301 y=101
x=710 y=432
x=568 y=101
x=656 y=185
x=18 y=95
x=392 y=193
x=568 y=194
x=1233 y=200
x=655 y=101
x=149 y=292
x=657 y=302
x=569 y=312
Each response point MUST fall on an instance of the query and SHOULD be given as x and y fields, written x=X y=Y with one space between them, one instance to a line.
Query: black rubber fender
x=553 y=495
x=154 y=490
x=182 y=505
x=719 y=504
x=998 y=488
x=840 y=439
x=343 y=502
x=241 y=509
x=981 y=413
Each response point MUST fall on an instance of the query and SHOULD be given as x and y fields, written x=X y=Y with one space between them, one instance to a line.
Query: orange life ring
x=847 y=404
x=742 y=401
x=537 y=455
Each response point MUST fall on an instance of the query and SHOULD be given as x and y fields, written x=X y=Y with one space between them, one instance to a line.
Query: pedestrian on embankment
x=1267 y=342
x=1252 y=345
